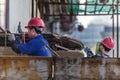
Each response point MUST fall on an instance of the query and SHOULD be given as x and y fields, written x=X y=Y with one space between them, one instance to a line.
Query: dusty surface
x=24 y=68
x=87 y=69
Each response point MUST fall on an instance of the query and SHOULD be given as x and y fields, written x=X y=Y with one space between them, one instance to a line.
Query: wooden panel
x=6 y=51
x=69 y=68
x=73 y=53
x=25 y=68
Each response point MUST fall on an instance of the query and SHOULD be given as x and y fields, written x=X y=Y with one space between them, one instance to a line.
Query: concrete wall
x=19 y=10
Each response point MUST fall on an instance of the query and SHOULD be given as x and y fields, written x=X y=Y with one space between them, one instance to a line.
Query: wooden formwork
x=72 y=53
x=69 y=68
x=25 y=68
x=65 y=68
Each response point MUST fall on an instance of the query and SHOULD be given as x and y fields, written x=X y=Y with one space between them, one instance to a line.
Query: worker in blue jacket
x=38 y=45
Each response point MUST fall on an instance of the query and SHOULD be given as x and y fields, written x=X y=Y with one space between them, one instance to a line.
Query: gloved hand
x=18 y=40
x=15 y=42
x=89 y=52
x=14 y=39
x=11 y=37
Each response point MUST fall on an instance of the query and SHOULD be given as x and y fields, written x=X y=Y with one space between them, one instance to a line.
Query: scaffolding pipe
x=32 y=13
x=113 y=25
x=117 y=30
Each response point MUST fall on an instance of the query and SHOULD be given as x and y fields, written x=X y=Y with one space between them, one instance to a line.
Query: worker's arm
x=88 y=52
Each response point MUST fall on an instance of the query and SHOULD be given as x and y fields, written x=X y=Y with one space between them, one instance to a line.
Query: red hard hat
x=37 y=22
x=108 y=42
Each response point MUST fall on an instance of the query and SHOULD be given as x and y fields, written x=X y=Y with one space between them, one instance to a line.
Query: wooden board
x=25 y=68
x=72 y=53
x=69 y=68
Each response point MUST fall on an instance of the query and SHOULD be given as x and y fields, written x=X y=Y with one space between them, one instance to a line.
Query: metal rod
x=7 y=14
x=61 y=47
x=81 y=14
x=101 y=7
x=85 y=7
x=81 y=4
x=66 y=6
x=44 y=7
x=95 y=7
x=112 y=7
x=32 y=13
x=60 y=8
x=36 y=8
x=117 y=30
x=72 y=8
x=113 y=27
x=41 y=9
x=53 y=7
x=4 y=52
x=79 y=7
x=77 y=15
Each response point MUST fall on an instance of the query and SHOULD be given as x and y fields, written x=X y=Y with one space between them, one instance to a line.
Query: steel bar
x=117 y=30
x=77 y=15
x=101 y=7
x=60 y=8
x=80 y=4
x=95 y=7
x=36 y=8
x=112 y=7
x=32 y=11
x=85 y=7
x=113 y=25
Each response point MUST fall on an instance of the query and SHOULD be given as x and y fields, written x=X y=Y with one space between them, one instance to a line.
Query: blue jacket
x=35 y=47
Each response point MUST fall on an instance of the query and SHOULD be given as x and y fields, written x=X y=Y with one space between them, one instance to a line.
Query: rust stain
x=87 y=69
x=24 y=69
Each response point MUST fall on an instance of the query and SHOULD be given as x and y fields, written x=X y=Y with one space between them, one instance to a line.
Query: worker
x=37 y=46
x=104 y=48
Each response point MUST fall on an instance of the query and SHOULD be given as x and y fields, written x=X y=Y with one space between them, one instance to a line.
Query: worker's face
x=102 y=50
x=31 y=33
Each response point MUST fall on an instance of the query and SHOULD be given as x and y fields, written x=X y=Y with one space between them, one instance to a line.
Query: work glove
x=18 y=40
x=15 y=42
x=14 y=39
x=89 y=52
x=11 y=37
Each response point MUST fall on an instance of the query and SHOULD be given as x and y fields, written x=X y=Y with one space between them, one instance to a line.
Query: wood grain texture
x=25 y=68
x=69 y=68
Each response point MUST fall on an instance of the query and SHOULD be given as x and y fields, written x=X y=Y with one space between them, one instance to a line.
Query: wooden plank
x=25 y=68
x=72 y=53
x=71 y=68
x=6 y=51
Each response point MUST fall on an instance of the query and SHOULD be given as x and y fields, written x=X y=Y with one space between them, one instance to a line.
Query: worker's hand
x=18 y=40
x=89 y=52
x=15 y=43
x=14 y=39
x=11 y=37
